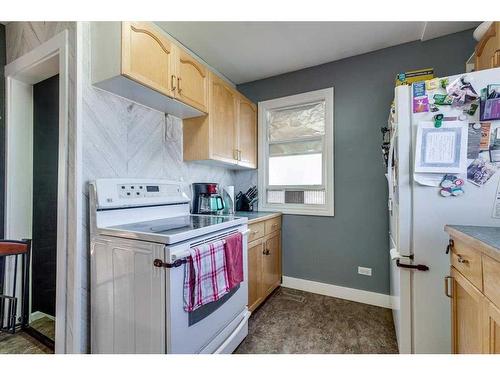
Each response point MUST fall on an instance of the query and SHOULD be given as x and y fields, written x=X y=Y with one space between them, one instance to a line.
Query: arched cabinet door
x=223 y=120
x=192 y=85
x=148 y=57
x=247 y=133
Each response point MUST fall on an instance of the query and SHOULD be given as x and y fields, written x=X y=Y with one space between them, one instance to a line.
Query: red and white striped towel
x=205 y=275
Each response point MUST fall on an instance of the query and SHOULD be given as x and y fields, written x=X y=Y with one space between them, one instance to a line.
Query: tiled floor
x=292 y=321
x=22 y=343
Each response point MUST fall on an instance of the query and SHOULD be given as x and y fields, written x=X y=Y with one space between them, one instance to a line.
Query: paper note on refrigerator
x=474 y=141
x=443 y=149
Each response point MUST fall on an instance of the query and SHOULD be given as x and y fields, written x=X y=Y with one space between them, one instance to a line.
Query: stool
x=9 y=301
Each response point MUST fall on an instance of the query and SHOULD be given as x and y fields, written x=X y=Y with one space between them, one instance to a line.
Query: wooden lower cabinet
x=474 y=292
x=271 y=263
x=264 y=264
x=255 y=250
x=467 y=316
x=491 y=334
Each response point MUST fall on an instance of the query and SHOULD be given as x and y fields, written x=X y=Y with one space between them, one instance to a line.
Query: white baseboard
x=38 y=315
x=356 y=295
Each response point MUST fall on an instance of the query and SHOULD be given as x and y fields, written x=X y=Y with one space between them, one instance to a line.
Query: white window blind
x=296 y=153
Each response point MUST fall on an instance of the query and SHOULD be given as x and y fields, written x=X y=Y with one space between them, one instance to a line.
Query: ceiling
x=247 y=51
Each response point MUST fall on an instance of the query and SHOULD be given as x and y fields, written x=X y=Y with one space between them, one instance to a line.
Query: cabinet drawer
x=468 y=262
x=257 y=230
x=273 y=225
x=491 y=274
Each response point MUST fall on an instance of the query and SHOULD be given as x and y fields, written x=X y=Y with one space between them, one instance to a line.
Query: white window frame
x=326 y=209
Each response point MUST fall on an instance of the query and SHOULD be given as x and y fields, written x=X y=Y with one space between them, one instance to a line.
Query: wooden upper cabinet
x=147 y=57
x=467 y=316
x=488 y=48
x=247 y=133
x=223 y=118
x=192 y=81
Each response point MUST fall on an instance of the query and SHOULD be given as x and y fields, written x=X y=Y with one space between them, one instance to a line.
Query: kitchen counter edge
x=265 y=216
x=463 y=233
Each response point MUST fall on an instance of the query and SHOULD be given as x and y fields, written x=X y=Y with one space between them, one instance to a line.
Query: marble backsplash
x=244 y=180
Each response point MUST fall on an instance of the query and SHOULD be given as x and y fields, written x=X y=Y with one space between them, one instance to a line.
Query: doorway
x=44 y=214
x=36 y=179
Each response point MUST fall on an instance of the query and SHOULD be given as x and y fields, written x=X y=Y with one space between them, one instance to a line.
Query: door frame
x=44 y=61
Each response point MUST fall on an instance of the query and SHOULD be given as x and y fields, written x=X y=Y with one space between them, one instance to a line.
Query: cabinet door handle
x=446 y=288
x=450 y=246
x=179 y=89
x=266 y=252
x=235 y=154
x=462 y=260
x=496 y=59
x=173 y=82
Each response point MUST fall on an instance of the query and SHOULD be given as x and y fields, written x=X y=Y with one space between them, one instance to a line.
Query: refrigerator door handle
x=418 y=267
x=389 y=170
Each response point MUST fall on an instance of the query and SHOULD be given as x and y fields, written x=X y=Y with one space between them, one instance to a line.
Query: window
x=296 y=154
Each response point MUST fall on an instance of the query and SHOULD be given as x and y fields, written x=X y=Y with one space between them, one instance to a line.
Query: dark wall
x=330 y=249
x=44 y=232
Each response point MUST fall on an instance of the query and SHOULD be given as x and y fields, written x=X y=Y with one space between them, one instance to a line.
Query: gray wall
x=330 y=249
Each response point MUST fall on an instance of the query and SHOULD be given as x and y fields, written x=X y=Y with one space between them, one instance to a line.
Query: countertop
x=486 y=239
x=256 y=216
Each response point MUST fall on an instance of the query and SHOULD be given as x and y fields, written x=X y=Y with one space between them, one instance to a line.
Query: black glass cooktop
x=174 y=225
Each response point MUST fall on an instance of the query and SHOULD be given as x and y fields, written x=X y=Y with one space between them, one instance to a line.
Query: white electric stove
x=141 y=232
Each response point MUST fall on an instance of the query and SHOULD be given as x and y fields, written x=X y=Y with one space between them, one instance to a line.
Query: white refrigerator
x=418 y=214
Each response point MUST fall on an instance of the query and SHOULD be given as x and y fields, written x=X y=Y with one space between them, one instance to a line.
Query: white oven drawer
x=229 y=339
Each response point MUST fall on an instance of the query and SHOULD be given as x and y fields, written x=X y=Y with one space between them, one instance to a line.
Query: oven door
x=192 y=332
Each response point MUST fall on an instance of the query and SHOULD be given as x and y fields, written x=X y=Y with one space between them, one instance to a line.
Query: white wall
x=22 y=37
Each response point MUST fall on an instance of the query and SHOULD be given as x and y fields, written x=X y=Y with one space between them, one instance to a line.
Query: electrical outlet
x=365 y=271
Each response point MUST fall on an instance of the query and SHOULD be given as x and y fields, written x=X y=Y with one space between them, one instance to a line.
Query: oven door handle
x=233 y=335
x=185 y=254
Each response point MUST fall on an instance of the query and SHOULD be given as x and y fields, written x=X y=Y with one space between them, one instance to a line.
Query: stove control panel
x=113 y=193
x=144 y=190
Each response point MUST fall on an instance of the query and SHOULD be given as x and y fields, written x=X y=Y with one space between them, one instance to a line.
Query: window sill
x=305 y=211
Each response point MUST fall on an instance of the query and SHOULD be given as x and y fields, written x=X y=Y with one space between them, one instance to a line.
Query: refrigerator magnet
x=446 y=192
x=489 y=105
x=432 y=84
x=418 y=89
x=420 y=104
